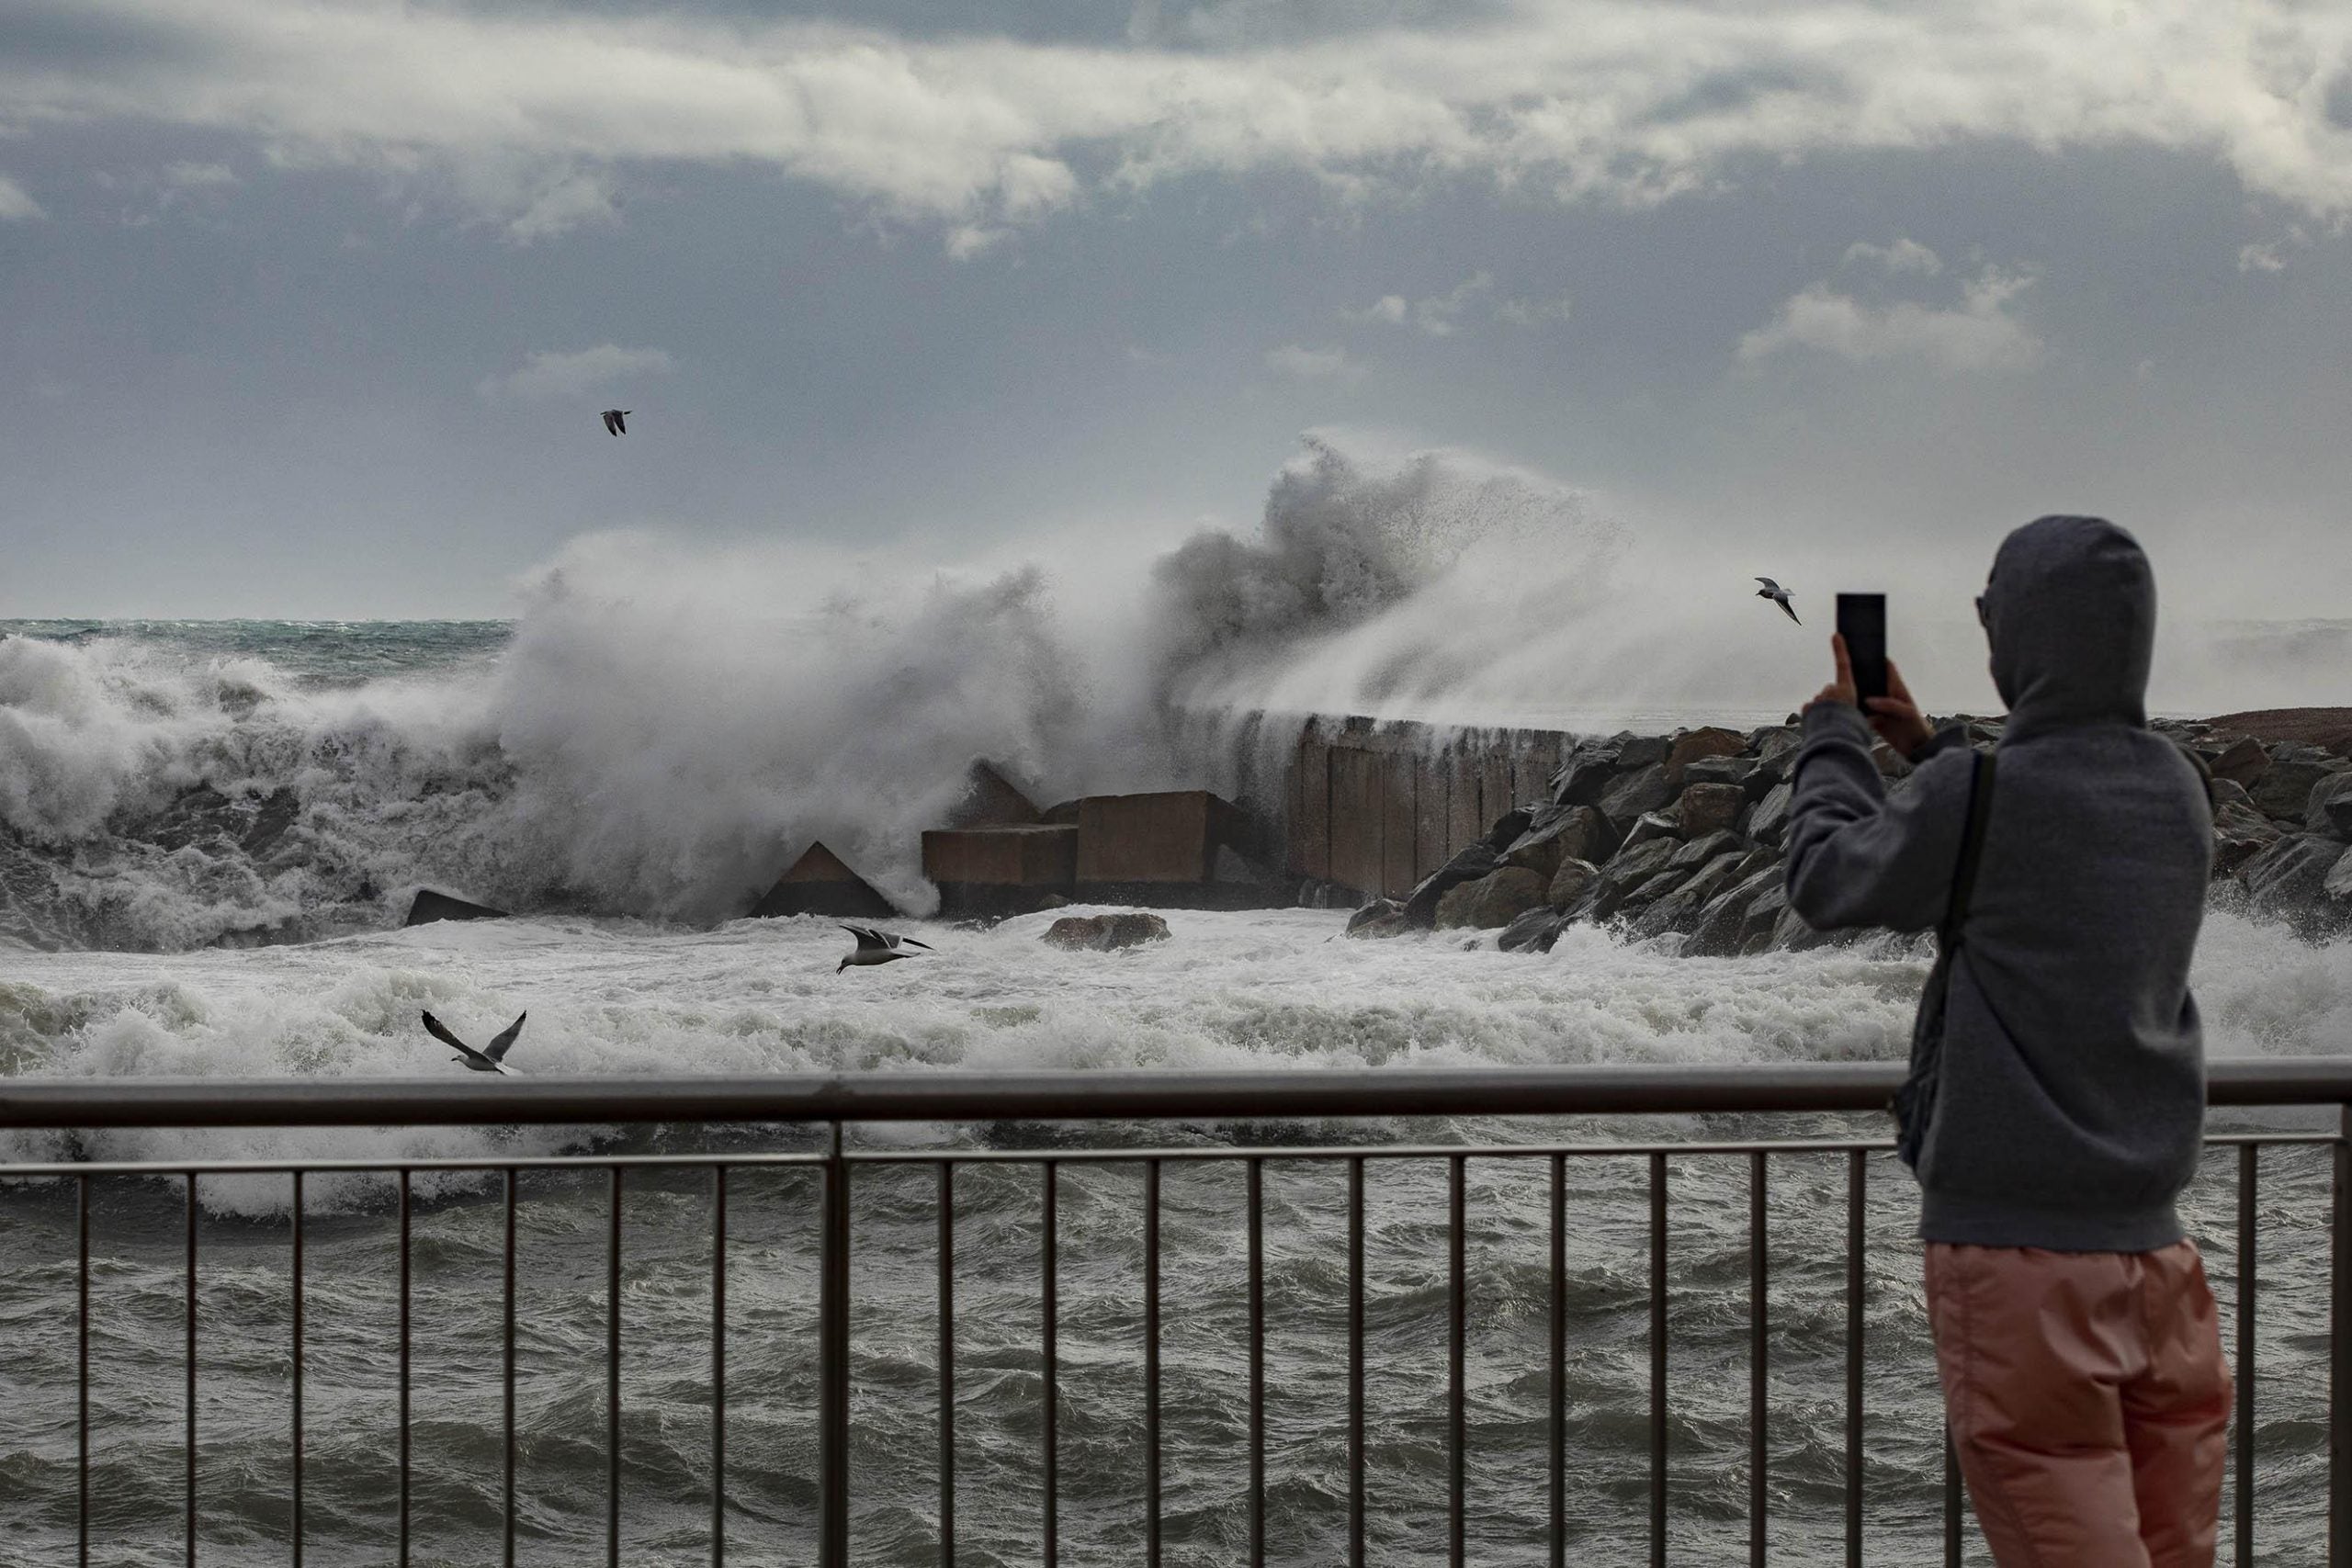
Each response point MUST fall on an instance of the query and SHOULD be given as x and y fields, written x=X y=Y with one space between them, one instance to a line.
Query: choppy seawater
x=605 y=802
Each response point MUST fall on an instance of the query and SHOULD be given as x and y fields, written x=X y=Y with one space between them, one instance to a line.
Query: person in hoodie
x=2058 y=1098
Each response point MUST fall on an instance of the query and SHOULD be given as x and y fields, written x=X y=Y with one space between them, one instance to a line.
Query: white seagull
x=1778 y=594
x=878 y=947
x=616 y=421
x=489 y=1061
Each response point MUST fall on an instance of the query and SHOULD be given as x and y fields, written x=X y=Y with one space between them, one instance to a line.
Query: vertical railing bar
x=1257 y=1365
x=2247 y=1265
x=1049 y=1357
x=613 y=1374
x=1151 y=1362
x=717 y=1366
x=298 y=1368
x=1355 y=1361
x=507 y=1339
x=1560 y=1421
x=1456 y=1311
x=403 y=1360
x=2339 y=1360
x=1951 y=1503
x=946 y=1364
x=832 y=1338
x=1658 y=1359
x=191 y=1370
x=82 y=1371
x=1857 y=1237
x=1759 y=1353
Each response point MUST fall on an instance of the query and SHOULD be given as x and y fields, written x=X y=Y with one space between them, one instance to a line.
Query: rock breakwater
x=1684 y=836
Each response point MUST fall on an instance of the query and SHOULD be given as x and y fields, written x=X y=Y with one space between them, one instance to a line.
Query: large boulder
x=2337 y=889
x=1747 y=772
x=2283 y=792
x=1474 y=862
x=1382 y=917
x=1559 y=833
x=1633 y=794
x=1651 y=825
x=1586 y=771
x=1102 y=934
x=1722 y=924
x=2289 y=881
x=1692 y=745
x=2240 y=832
x=1535 y=931
x=1704 y=808
x=1775 y=747
x=2241 y=761
x=2329 y=810
x=1769 y=823
x=1682 y=908
x=1621 y=877
x=1493 y=901
x=1568 y=883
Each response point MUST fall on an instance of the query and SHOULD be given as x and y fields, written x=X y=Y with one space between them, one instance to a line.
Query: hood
x=2071 y=610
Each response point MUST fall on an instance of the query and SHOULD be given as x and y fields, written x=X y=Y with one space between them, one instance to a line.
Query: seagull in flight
x=489 y=1061
x=1778 y=594
x=878 y=947
x=616 y=421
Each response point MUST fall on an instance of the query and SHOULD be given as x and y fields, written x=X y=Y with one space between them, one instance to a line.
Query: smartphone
x=1861 y=621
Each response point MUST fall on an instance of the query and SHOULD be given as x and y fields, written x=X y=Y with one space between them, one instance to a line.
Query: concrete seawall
x=1376 y=809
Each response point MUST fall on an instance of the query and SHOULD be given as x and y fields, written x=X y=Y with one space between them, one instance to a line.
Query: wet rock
x=2242 y=761
x=2337 y=889
x=1700 y=850
x=1493 y=901
x=1764 y=914
x=2284 y=791
x=1382 y=917
x=1533 y=931
x=1474 y=862
x=2288 y=882
x=1649 y=827
x=2240 y=832
x=1774 y=747
x=1622 y=877
x=1722 y=926
x=1769 y=823
x=1568 y=883
x=1692 y=745
x=1682 y=908
x=2329 y=810
x=1631 y=794
x=1585 y=773
x=1746 y=772
x=1106 y=934
x=1704 y=808
x=1562 y=832
x=428 y=907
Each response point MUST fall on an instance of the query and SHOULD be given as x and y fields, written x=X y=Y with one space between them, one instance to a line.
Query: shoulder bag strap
x=1972 y=848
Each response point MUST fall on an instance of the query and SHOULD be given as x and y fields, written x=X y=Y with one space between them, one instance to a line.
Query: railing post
x=832 y=1360
x=2339 y=1368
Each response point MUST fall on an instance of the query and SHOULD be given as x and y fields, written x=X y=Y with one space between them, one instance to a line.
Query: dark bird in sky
x=616 y=421
x=491 y=1060
x=878 y=947
x=1778 y=594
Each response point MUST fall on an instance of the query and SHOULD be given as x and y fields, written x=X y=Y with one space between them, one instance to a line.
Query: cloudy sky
x=307 y=307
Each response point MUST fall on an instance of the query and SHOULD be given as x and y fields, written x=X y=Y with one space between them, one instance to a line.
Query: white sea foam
x=1235 y=991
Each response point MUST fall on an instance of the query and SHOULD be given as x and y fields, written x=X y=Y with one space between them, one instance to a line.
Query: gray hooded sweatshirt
x=2070 y=1096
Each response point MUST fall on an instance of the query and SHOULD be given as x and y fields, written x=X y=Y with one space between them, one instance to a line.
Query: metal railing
x=834 y=1103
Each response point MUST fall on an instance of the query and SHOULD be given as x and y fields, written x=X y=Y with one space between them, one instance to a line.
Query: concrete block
x=1172 y=836
x=819 y=882
x=1040 y=856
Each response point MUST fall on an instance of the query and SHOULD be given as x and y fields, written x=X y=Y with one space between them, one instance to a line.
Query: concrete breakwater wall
x=1378 y=808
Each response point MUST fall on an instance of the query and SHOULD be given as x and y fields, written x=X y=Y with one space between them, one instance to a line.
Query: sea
x=208 y=834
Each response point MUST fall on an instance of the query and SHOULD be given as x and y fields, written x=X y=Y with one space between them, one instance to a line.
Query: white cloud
x=1903 y=255
x=2263 y=257
x=1631 y=100
x=15 y=204
x=1978 y=335
x=546 y=374
x=568 y=201
x=198 y=177
x=1532 y=312
x=1302 y=364
x=1436 y=315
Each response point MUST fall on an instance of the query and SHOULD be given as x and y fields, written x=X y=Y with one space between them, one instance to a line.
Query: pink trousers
x=2088 y=1401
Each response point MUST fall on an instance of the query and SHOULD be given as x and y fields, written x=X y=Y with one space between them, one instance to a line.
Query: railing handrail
x=1072 y=1096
